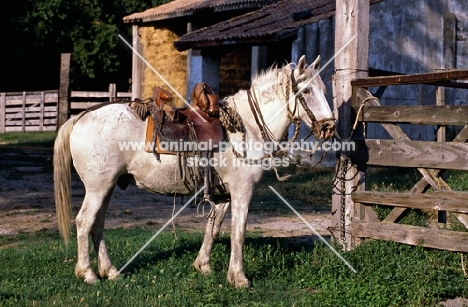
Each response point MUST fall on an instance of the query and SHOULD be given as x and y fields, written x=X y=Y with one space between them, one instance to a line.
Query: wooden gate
x=354 y=217
x=28 y=111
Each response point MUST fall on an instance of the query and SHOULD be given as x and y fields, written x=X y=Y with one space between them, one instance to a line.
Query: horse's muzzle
x=327 y=129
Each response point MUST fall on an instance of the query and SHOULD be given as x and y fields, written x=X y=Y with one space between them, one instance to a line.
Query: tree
x=35 y=32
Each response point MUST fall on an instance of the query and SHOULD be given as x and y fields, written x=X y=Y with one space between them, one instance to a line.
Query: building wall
x=405 y=37
x=235 y=71
x=158 y=51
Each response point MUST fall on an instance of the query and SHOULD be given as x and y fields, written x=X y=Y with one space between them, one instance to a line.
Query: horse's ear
x=301 y=65
x=316 y=64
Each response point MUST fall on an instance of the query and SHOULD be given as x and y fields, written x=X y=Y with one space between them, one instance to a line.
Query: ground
x=27 y=203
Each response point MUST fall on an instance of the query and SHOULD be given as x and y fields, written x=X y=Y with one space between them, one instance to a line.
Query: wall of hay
x=158 y=50
x=235 y=71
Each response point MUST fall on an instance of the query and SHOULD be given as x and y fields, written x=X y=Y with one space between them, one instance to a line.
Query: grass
x=37 y=270
x=39 y=139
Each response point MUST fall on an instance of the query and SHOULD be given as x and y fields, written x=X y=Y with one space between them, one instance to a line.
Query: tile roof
x=268 y=24
x=179 y=8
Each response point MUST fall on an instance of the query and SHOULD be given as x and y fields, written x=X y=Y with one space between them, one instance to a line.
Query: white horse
x=92 y=141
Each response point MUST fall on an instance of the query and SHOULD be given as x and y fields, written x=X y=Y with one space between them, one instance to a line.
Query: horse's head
x=309 y=92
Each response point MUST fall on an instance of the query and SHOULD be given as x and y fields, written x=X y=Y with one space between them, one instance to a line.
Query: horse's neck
x=272 y=109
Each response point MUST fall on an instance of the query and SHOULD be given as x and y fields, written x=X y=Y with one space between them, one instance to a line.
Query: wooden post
x=112 y=92
x=23 y=111
x=3 y=113
x=449 y=55
x=64 y=90
x=137 y=64
x=352 y=24
x=41 y=112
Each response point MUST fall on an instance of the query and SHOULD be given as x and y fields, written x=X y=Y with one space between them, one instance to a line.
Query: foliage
x=37 y=270
x=35 y=32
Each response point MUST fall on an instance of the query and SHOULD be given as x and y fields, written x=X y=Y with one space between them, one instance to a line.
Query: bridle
x=317 y=126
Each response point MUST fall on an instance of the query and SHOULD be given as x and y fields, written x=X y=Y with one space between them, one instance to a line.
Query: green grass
x=304 y=190
x=37 y=270
x=40 y=139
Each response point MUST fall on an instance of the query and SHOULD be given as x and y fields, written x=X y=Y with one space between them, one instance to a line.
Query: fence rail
x=82 y=100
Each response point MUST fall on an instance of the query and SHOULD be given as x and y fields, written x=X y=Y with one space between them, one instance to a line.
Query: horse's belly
x=163 y=177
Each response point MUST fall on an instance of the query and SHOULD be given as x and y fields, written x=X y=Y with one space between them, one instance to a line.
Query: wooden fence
x=82 y=100
x=38 y=111
x=353 y=215
x=28 y=111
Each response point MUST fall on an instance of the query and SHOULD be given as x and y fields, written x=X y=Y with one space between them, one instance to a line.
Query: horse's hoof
x=113 y=274
x=238 y=282
x=86 y=274
x=204 y=269
x=90 y=277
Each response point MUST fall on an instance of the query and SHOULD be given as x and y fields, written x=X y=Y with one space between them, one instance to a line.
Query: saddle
x=193 y=128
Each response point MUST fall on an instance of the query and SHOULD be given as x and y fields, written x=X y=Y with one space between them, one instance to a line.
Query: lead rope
x=343 y=201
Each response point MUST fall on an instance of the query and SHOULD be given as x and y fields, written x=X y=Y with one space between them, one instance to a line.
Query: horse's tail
x=62 y=178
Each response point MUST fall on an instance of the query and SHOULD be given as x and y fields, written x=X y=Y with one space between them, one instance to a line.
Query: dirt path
x=27 y=203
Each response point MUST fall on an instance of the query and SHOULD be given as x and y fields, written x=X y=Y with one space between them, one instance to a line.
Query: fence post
x=23 y=119
x=352 y=27
x=41 y=112
x=2 y=112
x=64 y=90
x=112 y=92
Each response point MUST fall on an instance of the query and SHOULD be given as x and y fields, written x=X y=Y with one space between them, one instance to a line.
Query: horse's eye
x=306 y=91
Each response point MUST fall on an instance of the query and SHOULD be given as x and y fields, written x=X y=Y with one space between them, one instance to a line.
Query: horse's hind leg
x=202 y=262
x=87 y=221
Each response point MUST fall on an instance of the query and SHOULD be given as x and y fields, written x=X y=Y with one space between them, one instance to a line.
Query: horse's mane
x=275 y=87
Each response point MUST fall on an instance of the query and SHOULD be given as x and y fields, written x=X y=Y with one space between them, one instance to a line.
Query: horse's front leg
x=105 y=267
x=202 y=262
x=240 y=206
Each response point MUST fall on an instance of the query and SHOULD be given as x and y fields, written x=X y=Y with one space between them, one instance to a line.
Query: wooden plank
x=28 y=115
x=82 y=105
x=462 y=135
x=88 y=94
x=440 y=200
x=432 y=77
x=30 y=128
x=449 y=155
x=31 y=122
x=370 y=215
x=413 y=235
x=419 y=115
x=124 y=95
x=36 y=109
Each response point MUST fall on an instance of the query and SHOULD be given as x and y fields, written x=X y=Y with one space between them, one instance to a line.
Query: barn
x=398 y=38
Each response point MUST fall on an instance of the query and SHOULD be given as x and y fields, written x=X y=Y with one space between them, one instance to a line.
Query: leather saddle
x=194 y=128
